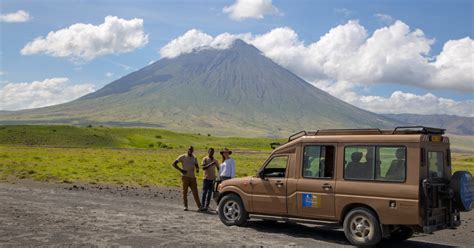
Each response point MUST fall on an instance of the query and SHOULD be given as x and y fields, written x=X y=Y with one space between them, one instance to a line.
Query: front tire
x=362 y=228
x=232 y=211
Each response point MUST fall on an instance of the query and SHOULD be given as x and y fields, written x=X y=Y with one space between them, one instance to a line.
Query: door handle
x=279 y=183
x=326 y=186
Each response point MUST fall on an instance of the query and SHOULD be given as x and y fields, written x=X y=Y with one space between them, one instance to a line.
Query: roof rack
x=365 y=131
x=297 y=135
x=348 y=131
x=419 y=129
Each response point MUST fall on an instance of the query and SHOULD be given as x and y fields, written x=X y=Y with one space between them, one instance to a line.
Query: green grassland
x=131 y=156
x=114 y=137
x=105 y=165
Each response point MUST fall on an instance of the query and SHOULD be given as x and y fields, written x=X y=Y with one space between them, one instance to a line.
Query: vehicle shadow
x=332 y=234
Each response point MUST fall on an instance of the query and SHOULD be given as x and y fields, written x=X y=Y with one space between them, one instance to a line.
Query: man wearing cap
x=189 y=164
x=227 y=168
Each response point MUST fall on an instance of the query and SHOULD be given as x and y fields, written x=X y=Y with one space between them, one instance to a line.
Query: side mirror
x=261 y=174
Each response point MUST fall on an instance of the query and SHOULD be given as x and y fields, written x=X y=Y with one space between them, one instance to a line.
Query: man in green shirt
x=189 y=165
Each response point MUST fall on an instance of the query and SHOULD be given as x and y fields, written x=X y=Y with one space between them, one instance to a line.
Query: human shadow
x=330 y=233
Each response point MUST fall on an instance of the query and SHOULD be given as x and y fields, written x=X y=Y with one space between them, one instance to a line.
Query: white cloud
x=343 y=11
x=391 y=54
x=194 y=40
x=82 y=41
x=400 y=102
x=109 y=74
x=2 y=73
x=454 y=66
x=250 y=9
x=51 y=91
x=385 y=18
x=19 y=16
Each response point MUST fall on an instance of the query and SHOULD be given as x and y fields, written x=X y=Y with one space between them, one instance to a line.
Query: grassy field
x=113 y=137
x=129 y=156
x=132 y=156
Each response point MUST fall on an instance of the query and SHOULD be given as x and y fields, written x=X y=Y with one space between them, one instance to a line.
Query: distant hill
x=235 y=91
x=452 y=123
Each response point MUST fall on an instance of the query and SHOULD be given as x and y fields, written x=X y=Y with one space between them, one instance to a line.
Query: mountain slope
x=235 y=91
x=452 y=123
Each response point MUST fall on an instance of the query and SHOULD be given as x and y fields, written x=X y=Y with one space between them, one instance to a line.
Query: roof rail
x=297 y=135
x=419 y=129
x=349 y=131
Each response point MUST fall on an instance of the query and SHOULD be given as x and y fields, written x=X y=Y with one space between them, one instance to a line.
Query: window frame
x=334 y=164
x=428 y=151
x=269 y=160
x=376 y=157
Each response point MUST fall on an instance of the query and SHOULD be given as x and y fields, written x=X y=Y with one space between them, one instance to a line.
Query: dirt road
x=33 y=214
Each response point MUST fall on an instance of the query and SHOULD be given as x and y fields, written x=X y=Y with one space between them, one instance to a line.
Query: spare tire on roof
x=462 y=186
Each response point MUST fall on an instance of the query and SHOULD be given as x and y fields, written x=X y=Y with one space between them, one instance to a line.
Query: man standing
x=209 y=166
x=189 y=164
x=227 y=168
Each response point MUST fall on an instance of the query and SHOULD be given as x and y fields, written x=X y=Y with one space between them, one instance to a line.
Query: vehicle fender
x=245 y=197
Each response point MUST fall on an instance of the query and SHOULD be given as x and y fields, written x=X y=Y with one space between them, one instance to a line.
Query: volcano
x=233 y=91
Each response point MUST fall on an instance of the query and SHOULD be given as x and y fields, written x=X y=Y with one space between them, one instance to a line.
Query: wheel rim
x=361 y=228
x=231 y=210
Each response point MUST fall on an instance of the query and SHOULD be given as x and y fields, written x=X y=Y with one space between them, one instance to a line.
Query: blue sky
x=163 y=21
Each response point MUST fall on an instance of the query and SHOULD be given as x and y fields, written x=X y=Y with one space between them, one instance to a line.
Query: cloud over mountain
x=392 y=54
x=347 y=57
x=83 y=41
x=51 y=91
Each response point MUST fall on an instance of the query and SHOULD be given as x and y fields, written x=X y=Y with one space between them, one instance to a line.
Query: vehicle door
x=316 y=184
x=269 y=188
x=436 y=173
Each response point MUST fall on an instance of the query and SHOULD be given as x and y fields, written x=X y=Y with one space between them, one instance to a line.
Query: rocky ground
x=43 y=214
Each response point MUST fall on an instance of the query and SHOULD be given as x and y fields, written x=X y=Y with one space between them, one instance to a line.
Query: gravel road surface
x=45 y=214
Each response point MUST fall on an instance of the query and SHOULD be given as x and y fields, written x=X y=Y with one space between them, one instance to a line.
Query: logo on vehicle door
x=311 y=201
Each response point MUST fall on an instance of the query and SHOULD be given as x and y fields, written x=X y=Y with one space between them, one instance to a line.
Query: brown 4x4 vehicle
x=376 y=183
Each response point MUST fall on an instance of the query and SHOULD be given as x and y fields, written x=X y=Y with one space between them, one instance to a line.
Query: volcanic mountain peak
x=233 y=91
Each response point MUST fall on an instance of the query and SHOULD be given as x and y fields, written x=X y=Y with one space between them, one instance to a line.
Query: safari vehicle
x=375 y=183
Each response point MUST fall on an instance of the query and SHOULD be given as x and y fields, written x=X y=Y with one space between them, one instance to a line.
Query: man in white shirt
x=227 y=168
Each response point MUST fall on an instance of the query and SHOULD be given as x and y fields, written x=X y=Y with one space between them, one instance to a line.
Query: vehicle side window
x=380 y=163
x=276 y=167
x=359 y=162
x=436 y=163
x=392 y=163
x=318 y=161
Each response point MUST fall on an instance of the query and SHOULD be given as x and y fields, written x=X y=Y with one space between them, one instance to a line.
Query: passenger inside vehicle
x=318 y=161
x=396 y=172
x=353 y=169
x=370 y=160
